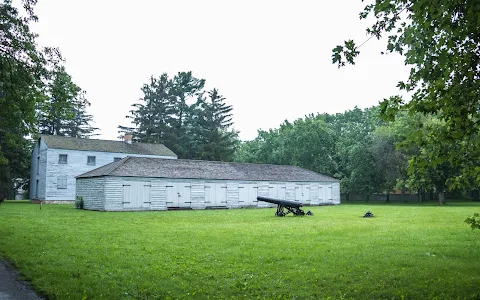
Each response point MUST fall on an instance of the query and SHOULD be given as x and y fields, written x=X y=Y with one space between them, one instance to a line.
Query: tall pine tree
x=152 y=117
x=185 y=88
x=162 y=114
x=201 y=130
x=63 y=111
x=212 y=121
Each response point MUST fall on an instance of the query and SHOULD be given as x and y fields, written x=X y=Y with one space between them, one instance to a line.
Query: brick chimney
x=128 y=138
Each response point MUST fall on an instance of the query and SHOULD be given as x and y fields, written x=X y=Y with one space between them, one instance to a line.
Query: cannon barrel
x=280 y=202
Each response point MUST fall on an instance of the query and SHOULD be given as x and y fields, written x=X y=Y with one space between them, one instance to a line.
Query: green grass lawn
x=405 y=252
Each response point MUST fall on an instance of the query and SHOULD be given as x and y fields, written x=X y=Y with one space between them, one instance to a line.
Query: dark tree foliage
x=153 y=116
x=308 y=143
x=367 y=154
x=210 y=130
x=186 y=88
x=441 y=43
x=23 y=69
x=356 y=147
x=63 y=110
x=175 y=112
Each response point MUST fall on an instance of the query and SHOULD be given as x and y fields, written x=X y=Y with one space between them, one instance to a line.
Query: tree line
x=368 y=154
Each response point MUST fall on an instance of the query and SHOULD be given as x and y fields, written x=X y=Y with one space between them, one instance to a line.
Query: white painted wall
x=50 y=169
x=93 y=192
x=199 y=194
x=38 y=171
x=136 y=194
x=215 y=194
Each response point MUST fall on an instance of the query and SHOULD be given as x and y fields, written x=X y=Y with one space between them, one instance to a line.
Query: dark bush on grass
x=474 y=221
x=79 y=202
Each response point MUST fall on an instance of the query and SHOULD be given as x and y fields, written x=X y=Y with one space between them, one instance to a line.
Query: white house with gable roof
x=57 y=160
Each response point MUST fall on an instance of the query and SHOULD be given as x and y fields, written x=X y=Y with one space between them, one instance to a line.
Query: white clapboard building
x=57 y=160
x=140 y=183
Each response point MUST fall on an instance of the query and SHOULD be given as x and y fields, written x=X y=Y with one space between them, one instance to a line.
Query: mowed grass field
x=405 y=252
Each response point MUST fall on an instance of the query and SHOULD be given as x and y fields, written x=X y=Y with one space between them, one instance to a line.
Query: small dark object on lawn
x=368 y=215
x=309 y=213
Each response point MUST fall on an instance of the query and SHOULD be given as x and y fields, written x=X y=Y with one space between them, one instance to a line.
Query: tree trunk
x=441 y=197
x=475 y=195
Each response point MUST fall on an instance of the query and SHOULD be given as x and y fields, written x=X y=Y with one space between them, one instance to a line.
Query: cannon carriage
x=284 y=207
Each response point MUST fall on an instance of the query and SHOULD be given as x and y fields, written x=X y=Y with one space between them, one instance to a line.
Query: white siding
x=290 y=191
x=336 y=193
x=38 y=171
x=113 y=193
x=264 y=191
x=314 y=194
x=277 y=190
x=34 y=163
x=136 y=195
x=215 y=194
x=232 y=194
x=92 y=190
x=247 y=194
x=197 y=195
x=178 y=194
x=329 y=194
x=76 y=165
x=152 y=191
x=161 y=194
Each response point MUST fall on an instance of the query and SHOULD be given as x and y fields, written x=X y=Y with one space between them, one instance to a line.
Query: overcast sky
x=270 y=59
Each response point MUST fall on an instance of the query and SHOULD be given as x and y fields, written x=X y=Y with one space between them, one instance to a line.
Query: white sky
x=270 y=59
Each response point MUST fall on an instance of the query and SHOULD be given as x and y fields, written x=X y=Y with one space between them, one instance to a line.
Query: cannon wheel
x=280 y=212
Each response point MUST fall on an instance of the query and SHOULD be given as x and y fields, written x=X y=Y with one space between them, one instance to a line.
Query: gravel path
x=11 y=287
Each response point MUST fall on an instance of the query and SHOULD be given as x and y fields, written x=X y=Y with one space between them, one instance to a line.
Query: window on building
x=117 y=158
x=38 y=165
x=91 y=160
x=62 y=158
x=61 y=182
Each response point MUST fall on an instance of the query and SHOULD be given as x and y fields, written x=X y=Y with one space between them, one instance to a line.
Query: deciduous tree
x=23 y=70
x=441 y=43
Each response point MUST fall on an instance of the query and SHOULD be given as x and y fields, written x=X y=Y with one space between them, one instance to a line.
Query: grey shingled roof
x=200 y=169
x=62 y=142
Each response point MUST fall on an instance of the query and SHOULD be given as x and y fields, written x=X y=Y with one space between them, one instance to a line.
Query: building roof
x=201 y=169
x=69 y=143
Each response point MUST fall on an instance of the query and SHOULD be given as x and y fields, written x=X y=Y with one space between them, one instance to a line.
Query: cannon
x=282 y=205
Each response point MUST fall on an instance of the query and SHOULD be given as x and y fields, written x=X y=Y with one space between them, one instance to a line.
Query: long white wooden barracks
x=139 y=183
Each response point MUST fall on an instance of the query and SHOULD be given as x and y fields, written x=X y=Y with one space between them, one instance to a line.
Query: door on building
x=247 y=194
x=329 y=196
x=178 y=195
x=302 y=193
x=277 y=191
x=321 y=194
x=215 y=195
x=136 y=194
